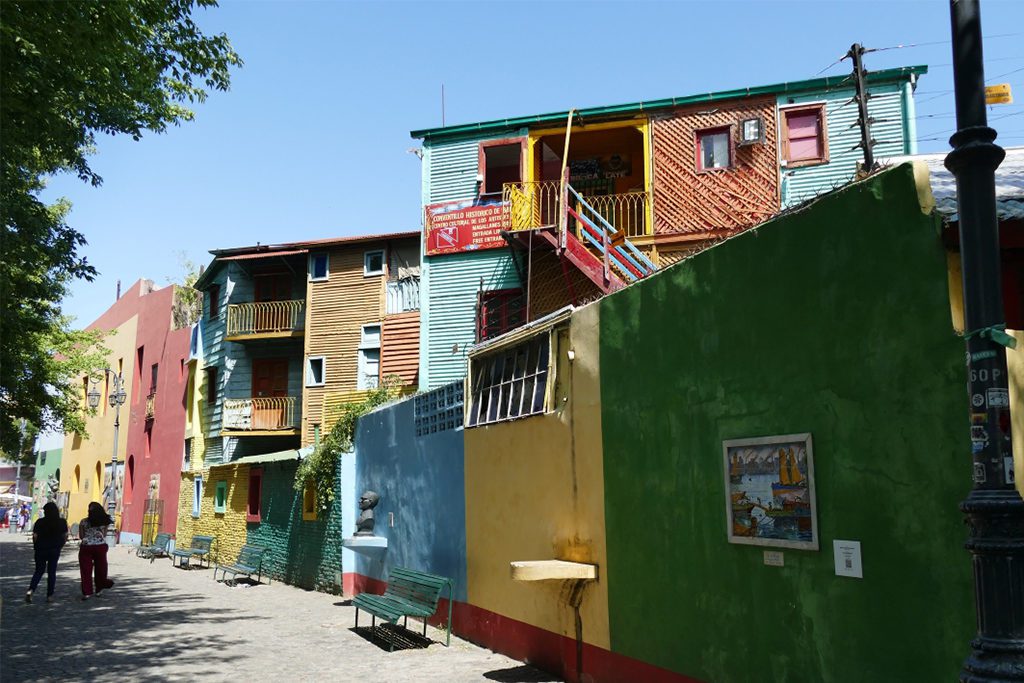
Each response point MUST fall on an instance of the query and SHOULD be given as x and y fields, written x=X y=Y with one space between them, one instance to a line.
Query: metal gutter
x=900 y=73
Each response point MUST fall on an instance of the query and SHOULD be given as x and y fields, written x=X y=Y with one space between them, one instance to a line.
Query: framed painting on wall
x=769 y=484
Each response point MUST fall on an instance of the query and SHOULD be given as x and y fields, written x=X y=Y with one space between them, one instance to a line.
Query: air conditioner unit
x=752 y=131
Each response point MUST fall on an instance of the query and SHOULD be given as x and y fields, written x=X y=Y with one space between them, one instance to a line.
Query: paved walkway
x=160 y=623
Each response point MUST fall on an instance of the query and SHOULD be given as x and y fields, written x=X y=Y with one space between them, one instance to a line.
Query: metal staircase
x=569 y=223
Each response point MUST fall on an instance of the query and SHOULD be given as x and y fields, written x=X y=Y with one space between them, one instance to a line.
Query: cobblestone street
x=161 y=623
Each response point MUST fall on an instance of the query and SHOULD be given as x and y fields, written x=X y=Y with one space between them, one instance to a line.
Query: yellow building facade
x=87 y=457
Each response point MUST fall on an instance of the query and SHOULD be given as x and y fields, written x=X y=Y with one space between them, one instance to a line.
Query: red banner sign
x=453 y=227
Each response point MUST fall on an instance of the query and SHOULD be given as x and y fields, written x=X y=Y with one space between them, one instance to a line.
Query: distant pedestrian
x=23 y=518
x=92 y=555
x=49 y=534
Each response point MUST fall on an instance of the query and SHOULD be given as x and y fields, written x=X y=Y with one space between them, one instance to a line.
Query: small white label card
x=847 y=556
x=774 y=558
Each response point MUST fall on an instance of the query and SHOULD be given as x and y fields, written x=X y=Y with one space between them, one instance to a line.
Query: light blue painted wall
x=449 y=284
x=212 y=331
x=349 y=506
x=448 y=313
x=421 y=479
x=886 y=106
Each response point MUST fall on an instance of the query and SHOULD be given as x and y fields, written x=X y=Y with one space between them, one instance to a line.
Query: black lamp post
x=994 y=509
x=116 y=400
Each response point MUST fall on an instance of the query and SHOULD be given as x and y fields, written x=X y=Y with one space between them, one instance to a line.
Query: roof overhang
x=903 y=73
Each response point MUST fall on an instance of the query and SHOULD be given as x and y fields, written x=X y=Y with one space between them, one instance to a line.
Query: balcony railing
x=626 y=212
x=151 y=405
x=537 y=204
x=261 y=414
x=403 y=295
x=266 y=317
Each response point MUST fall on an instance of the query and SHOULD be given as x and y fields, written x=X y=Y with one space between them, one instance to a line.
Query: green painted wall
x=835 y=321
x=302 y=553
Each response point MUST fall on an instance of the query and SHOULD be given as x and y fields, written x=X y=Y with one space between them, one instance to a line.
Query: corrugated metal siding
x=451 y=284
x=450 y=168
x=336 y=310
x=400 y=347
x=885 y=106
x=214 y=356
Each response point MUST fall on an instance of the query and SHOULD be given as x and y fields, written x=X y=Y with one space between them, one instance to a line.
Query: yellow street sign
x=998 y=94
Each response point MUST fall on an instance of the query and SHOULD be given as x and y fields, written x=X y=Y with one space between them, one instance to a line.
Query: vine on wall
x=321 y=467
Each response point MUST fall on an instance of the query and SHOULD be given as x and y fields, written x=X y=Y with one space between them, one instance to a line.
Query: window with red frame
x=501 y=310
x=804 y=140
x=252 y=513
x=714 y=149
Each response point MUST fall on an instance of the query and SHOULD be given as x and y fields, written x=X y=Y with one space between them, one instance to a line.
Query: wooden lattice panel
x=549 y=288
x=686 y=201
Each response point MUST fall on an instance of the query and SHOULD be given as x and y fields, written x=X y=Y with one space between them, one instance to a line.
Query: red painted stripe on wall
x=541 y=648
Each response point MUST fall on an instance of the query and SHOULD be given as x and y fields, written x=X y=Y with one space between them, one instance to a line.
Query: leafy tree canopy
x=70 y=70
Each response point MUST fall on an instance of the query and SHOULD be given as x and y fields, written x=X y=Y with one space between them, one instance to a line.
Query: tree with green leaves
x=70 y=70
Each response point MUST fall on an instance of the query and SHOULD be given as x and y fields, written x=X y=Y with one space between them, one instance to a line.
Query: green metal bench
x=158 y=548
x=250 y=561
x=409 y=593
x=200 y=549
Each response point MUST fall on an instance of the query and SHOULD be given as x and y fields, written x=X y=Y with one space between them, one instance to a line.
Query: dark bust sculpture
x=367 y=501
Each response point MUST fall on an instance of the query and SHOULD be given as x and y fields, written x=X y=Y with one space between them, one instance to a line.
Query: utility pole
x=856 y=53
x=994 y=509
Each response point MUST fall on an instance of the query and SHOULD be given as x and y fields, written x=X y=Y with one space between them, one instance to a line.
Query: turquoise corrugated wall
x=449 y=284
x=450 y=327
x=885 y=106
x=214 y=356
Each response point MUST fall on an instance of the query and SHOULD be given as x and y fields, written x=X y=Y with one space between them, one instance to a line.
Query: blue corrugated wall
x=885 y=106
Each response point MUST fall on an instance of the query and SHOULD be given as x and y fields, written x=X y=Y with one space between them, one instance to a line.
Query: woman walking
x=93 y=552
x=49 y=534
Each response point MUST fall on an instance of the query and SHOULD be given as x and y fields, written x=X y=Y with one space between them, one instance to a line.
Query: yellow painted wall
x=228 y=528
x=97 y=449
x=194 y=429
x=535 y=491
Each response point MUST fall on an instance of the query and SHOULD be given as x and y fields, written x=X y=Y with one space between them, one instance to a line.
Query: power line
x=1005 y=74
x=987 y=60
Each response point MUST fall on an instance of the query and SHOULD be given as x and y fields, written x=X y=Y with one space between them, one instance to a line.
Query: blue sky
x=312 y=139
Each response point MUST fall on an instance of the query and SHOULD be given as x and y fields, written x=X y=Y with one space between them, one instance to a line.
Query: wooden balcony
x=266 y=320
x=261 y=416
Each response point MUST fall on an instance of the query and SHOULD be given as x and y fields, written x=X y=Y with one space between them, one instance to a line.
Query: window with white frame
x=510 y=383
x=369 y=358
x=197 y=495
x=373 y=262
x=315 y=371
x=319 y=267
